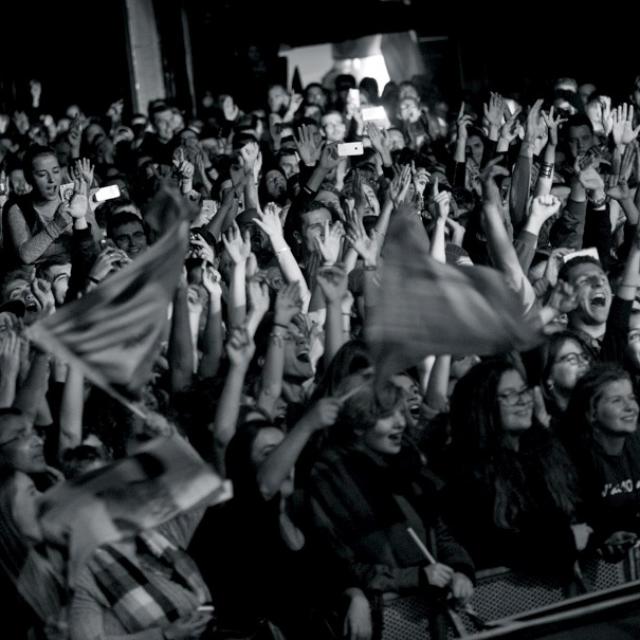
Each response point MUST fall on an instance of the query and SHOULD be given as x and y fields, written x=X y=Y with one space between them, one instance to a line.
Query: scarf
x=134 y=599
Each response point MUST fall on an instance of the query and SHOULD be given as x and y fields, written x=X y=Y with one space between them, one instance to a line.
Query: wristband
x=370 y=267
x=279 y=251
x=546 y=169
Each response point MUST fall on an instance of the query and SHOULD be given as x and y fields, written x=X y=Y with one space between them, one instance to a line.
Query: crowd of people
x=527 y=460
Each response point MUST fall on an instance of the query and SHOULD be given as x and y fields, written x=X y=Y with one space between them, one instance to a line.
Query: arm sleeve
x=615 y=338
x=568 y=230
x=86 y=619
x=519 y=193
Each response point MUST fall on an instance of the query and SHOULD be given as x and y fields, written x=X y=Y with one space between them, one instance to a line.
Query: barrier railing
x=501 y=593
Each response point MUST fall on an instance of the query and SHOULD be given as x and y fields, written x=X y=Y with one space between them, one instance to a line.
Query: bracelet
x=598 y=204
x=370 y=267
x=546 y=169
x=277 y=339
x=279 y=251
x=282 y=326
x=94 y=280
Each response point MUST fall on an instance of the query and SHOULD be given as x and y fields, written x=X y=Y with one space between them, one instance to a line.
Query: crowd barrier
x=501 y=594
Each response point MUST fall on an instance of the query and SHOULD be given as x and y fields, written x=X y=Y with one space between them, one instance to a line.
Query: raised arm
x=281 y=461
x=240 y=350
x=269 y=222
x=213 y=340
x=71 y=411
x=288 y=305
x=238 y=248
x=180 y=344
x=332 y=280
x=545 y=177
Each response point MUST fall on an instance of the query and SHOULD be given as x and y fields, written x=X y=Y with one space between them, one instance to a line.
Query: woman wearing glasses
x=512 y=500
x=566 y=358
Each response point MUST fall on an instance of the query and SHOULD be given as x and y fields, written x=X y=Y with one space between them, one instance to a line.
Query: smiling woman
x=601 y=427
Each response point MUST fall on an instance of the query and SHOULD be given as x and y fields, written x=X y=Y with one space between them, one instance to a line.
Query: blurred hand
x=439 y=575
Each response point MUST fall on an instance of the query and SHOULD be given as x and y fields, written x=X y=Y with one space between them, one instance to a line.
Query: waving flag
x=113 y=333
x=426 y=308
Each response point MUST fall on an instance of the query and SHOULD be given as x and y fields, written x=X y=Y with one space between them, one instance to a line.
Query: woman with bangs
x=513 y=498
x=364 y=492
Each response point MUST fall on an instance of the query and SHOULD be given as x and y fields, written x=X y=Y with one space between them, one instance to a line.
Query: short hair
x=345 y=81
x=16 y=274
x=33 y=152
x=122 y=218
x=579 y=120
x=567 y=267
x=53 y=261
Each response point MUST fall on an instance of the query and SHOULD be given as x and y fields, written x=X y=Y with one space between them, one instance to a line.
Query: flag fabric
x=164 y=479
x=426 y=308
x=113 y=333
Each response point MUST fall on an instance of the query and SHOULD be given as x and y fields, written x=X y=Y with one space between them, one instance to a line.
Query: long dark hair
x=478 y=442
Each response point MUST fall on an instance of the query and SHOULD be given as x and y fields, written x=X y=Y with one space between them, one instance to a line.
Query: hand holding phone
x=350 y=149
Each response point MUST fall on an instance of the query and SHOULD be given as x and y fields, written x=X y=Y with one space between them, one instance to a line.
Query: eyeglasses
x=574 y=358
x=512 y=398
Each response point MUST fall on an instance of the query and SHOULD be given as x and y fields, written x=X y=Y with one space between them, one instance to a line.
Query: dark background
x=78 y=49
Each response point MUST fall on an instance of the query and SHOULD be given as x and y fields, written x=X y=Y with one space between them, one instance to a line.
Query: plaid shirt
x=132 y=594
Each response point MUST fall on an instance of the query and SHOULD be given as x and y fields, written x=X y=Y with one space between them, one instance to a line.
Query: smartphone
x=374 y=114
x=66 y=191
x=354 y=97
x=107 y=193
x=350 y=149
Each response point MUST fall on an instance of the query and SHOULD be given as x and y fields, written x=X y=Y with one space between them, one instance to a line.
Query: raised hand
x=493 y=111
x=308 y=150
x=258 y=295
x=200 y=248
x=589 y=178
x=323 y=414
x=269 y=221
x=333 y=282
x=620 y=192
x=564 y=297
x=240 y=347
x=442 y=200
x=211 y=281
x=533 y=122
x=288 y=303
x=9 y=355
x=74 y=135
x=462 y=122
x=400 y=185
x=330 y=245
x=554 y=264
x=607 y=115
x=237 y=246
x=545 y=206
x=622 y=130
x=365 y=246
x=83 y=170
x=109 y=260
x=511 y=127
x=487 y=178
x=378 y=138
x=329 y=158
x=553 y=123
